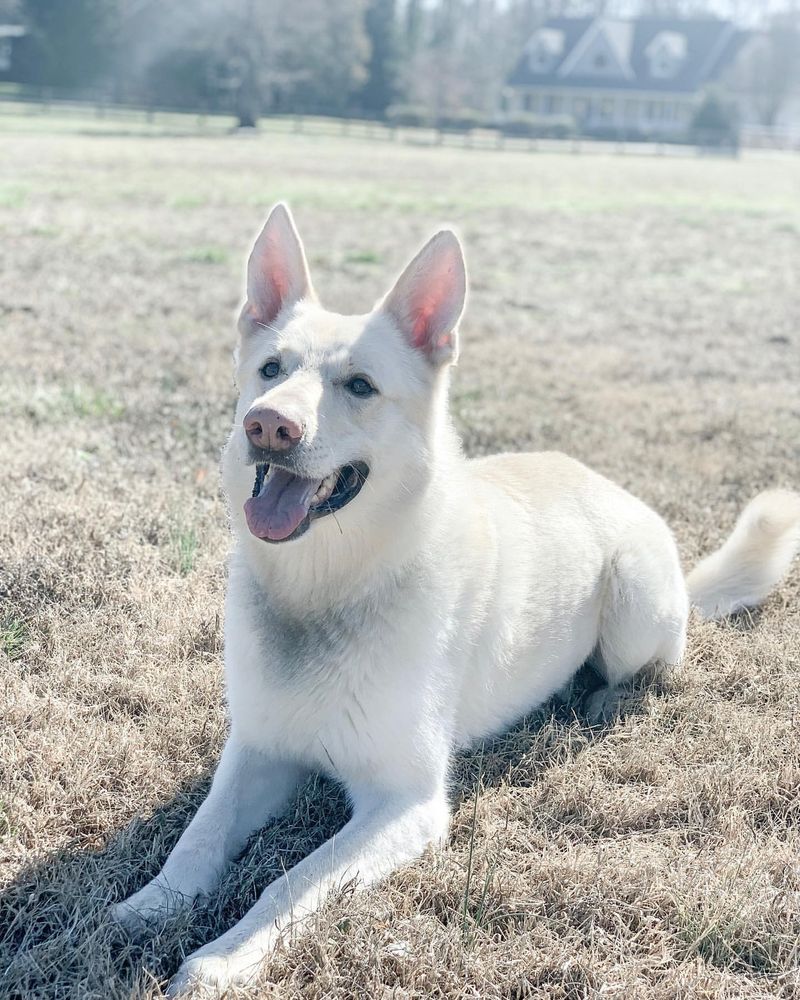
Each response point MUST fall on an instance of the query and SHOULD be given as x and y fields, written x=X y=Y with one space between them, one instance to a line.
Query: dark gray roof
x=711 y=46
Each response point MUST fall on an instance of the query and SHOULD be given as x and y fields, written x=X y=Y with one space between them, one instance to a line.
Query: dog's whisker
x=266 y=326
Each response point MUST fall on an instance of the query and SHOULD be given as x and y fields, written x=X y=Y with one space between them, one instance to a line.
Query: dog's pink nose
x=272 y=430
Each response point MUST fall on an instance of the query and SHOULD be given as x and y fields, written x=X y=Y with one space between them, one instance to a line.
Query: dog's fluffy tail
x=753 y=560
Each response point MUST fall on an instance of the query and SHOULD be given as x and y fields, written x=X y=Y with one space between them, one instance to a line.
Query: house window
x=580 y=108
x=5 y=54
x=541 y=60
x=549 y=101
x=558 y=105
x=546 y=48
x=600 y=61
x=665 y=64
x=606 y=109
x=667 y=54
x=631 y=110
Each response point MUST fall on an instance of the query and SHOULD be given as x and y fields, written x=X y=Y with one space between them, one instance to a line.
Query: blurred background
x=710 y=71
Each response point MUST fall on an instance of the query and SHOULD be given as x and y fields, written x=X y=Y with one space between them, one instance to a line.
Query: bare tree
x=769 y=67
x=310 y=53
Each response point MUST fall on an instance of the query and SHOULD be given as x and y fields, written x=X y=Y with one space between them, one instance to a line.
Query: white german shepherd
x=390 y=601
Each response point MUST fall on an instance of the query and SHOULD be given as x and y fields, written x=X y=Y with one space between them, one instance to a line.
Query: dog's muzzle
x=284 y=504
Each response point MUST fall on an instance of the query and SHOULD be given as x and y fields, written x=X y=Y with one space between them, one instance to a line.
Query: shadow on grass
x=56 y=938
x=745 y=620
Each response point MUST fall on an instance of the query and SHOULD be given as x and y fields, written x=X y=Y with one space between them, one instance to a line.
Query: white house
x=614 y=77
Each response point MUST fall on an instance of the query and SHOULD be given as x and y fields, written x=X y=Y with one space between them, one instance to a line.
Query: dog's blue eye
x=271 y=369
x=359 y=386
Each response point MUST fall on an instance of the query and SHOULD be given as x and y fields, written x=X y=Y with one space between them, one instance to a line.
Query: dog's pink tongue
x=281 y=505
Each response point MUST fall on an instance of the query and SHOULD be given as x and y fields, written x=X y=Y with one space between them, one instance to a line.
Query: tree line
x=255 y=57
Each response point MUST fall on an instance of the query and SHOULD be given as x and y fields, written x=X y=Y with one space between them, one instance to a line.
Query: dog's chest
x=316 y=644
x=326 y=687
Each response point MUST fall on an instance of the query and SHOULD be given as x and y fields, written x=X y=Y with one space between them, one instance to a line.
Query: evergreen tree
x=381 y=87
x=71 y=44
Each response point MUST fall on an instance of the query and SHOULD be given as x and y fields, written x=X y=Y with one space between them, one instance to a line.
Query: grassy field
x=640 y=313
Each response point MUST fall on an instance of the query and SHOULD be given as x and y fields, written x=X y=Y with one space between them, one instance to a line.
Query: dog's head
x=338 y=415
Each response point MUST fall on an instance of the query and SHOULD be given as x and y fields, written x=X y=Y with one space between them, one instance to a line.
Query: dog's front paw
x=218 y=966
x=202 y=976
x=149 y=906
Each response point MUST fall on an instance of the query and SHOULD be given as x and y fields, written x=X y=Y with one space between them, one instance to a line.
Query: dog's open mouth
x=283 y=505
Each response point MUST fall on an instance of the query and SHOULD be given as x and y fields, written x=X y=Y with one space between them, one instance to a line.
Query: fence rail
x=30 y=101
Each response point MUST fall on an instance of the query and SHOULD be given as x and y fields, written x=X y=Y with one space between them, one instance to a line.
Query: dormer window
x=666 y=55
x=541 y=60
x=545 y=49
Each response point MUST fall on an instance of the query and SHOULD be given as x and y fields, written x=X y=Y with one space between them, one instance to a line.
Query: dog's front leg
x=248 y=789
x=386 y=831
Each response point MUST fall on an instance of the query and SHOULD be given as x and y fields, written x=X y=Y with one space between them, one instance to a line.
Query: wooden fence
x=173 y=120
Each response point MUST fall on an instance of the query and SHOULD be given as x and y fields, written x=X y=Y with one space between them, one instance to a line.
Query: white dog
x=390 y=601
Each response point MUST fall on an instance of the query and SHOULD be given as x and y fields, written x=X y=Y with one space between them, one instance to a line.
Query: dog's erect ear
x=428 y=298
x=277 y=273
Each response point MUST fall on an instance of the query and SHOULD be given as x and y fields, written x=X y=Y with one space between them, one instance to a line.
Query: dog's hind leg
x=644 y=614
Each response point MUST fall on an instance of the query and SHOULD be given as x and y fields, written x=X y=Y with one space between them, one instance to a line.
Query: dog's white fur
x=447 y=600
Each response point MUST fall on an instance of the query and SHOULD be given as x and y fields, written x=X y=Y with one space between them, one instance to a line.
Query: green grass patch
x=85 y=401
x=13 y=637
x=186 y=202
x=468 y=396
x=12 y=195
x=363 y=257
x=183 y=544
x=39 y=402
x=206 y=255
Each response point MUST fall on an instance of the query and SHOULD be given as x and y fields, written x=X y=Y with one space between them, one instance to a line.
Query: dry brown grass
x=641 y=314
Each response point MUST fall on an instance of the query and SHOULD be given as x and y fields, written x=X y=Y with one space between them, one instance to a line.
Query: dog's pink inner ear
x=277 y=274
x=428 y=299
